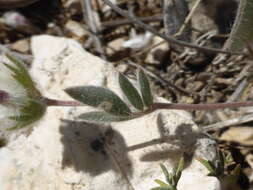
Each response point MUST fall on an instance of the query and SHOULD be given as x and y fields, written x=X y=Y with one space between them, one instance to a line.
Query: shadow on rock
x=93 y=149
x=172 y=145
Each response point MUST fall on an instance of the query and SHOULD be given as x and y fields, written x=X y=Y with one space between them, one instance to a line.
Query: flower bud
x=4 y=97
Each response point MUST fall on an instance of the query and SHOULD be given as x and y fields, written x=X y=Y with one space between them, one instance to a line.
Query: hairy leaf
x=98 y=117
x=242 y=30
x=99 y=97
x=145 y=88
x=21 y=75
x=30 y=112
x=130 y=92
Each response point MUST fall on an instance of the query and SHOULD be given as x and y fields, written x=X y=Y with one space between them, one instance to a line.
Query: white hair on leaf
x=8 y=82
x=21 y=103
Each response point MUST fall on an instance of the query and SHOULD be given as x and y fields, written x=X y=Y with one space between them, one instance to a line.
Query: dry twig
x=167 y=38
x=227 y=123
x=89 y=16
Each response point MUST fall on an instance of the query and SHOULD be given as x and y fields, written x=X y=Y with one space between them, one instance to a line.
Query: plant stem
x=54 y=102
x=4 y=97
x=212 y=106
x=156 y=106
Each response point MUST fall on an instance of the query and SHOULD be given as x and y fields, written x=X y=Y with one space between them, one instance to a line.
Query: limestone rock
x=65 y=153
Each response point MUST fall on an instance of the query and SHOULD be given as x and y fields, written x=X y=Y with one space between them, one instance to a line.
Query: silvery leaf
x=130 y=92
x=145 y=88
x=101 y=117
x=30 y=112
x=21 y=75
x=99 y=97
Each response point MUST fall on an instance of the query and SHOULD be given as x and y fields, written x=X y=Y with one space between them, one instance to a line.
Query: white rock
x=138 y=42
x=75 y=29
x=67 y=154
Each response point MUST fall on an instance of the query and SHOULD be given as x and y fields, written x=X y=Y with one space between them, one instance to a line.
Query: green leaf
x=180 y=166
x=30 y=112
x=145 y=88
x=208 y=165
x=169 y=179
x=99 y=97
x=22 y=76
x=229 y=159
x=242 y=30
x=161 y=183
x=103 y=117
x=177 y=177
x=236 y=171
x=130 y=92
x=173 y=180
x=166 y=173
x=162 y=188
x=221 y=157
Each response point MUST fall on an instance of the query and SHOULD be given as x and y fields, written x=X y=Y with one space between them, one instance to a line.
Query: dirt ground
x=180 y=74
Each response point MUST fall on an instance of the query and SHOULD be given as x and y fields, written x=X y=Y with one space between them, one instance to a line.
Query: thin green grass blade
x=161 y=183
x=180 y=166
x=236 y=171
x=166 y=173
x=208 y=165
x=162 y=188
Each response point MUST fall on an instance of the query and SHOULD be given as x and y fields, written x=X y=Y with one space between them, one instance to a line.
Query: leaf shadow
x=91 y=148
x=181 y=142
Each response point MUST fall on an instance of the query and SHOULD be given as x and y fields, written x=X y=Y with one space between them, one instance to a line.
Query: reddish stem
x=212 y=106
x=156 y=106
x=54 y=102
x=4 y=97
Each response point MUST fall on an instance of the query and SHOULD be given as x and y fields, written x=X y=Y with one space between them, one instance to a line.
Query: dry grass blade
x=227 y=123
x=93 y=24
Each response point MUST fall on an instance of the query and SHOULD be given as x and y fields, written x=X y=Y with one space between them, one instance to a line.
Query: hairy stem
x=156 y=106
x=54 y=102
x=4 y=97
x=212 y=106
